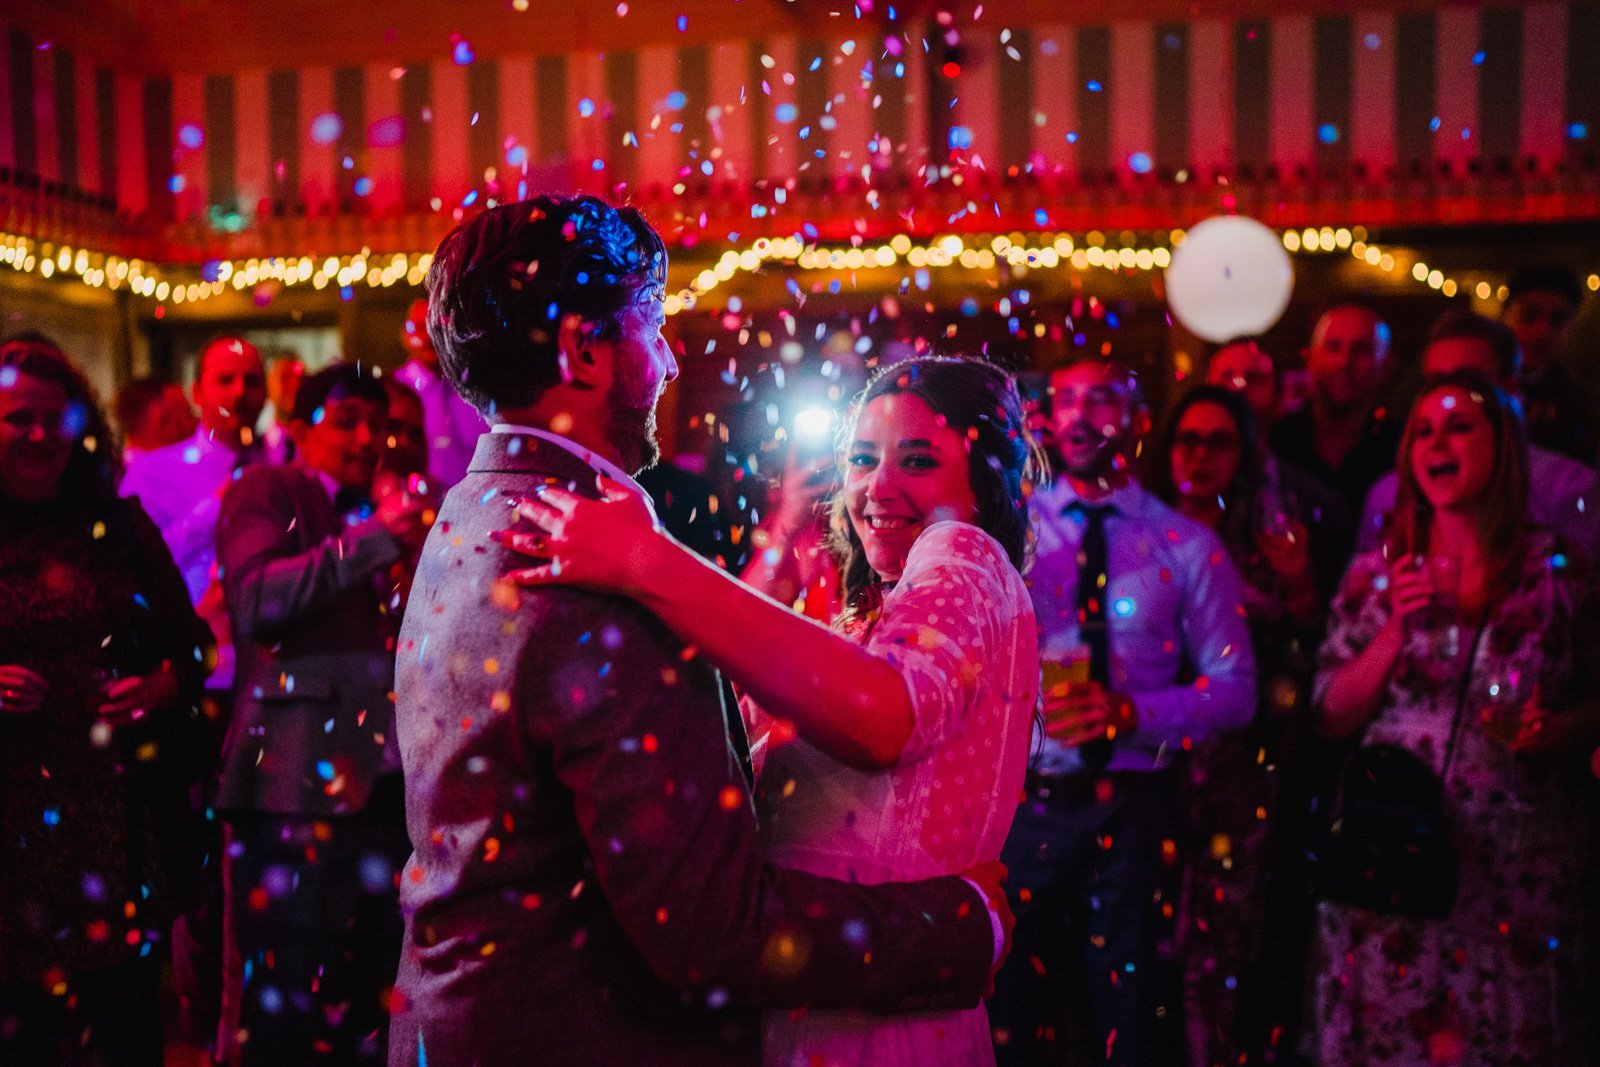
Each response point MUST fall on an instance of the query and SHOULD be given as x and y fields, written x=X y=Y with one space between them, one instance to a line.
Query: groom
x=587 y=885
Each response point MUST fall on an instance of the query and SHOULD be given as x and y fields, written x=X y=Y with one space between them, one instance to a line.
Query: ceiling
x=215 y=36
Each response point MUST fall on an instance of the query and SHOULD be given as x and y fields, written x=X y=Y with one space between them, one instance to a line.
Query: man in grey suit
x=586 y=885
x=310 y=786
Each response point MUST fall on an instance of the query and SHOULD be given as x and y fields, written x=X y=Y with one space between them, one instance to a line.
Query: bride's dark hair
x=979 y=401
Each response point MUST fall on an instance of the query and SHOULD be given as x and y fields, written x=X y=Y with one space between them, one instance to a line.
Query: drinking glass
x=1440 y=622
x=1504 y=700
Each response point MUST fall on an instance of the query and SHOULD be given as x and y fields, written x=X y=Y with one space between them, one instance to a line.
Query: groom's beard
x=631 y=421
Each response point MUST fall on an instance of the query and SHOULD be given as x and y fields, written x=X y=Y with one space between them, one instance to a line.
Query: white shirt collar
x=593 y=459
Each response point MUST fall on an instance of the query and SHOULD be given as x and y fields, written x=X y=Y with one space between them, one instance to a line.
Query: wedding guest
x=1247 y=367
x=101 y=663
x=310 y=785
x=284 y=376
x=1345 y=437
x=1563 y=494
x=406 y=447
x=1541 y=302
x=452 y=424
x=792 y=559
x=1207 y=464
x=152 y=413
x=181 y=485
x=1482 y=669
x=1147 y=604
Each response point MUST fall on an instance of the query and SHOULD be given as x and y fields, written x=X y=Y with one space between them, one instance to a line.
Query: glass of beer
x=1066 y=671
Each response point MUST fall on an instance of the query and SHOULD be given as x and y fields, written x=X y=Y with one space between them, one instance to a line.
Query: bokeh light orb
x=1230 y=278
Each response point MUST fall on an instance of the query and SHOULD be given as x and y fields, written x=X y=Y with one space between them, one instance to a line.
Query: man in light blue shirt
x=1153 y=604
x=181 y=485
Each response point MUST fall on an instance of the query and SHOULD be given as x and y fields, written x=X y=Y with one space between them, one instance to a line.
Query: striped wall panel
x=1387 y=91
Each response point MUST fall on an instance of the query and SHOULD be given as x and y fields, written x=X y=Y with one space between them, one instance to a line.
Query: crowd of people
x=409 y=727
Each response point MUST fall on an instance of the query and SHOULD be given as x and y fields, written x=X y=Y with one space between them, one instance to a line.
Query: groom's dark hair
x=502 y=282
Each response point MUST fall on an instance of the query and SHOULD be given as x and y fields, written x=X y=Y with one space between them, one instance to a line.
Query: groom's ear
x=580 y=359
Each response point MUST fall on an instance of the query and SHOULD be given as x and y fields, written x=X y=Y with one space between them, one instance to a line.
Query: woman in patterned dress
x=895 y=743
x=1488 y=686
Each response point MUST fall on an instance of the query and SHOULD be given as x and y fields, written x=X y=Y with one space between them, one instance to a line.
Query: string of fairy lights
x=1017 y=251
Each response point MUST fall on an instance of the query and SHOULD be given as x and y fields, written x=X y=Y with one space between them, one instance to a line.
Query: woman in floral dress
x=1503 y=632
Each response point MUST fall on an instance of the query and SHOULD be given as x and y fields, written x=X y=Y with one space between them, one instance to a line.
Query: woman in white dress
x=893 y=745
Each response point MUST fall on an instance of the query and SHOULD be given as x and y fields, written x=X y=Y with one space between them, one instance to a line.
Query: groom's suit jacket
x=586 y=885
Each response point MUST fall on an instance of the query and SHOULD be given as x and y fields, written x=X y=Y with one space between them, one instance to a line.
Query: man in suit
x=310 y=774
x=586 y=884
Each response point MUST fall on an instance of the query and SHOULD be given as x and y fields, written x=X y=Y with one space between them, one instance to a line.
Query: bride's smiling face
x=905 y=470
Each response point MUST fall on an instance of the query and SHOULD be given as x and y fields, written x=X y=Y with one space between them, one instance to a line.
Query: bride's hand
x=606 y=545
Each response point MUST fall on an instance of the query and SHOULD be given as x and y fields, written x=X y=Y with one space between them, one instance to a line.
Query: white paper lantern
x=1230 y=278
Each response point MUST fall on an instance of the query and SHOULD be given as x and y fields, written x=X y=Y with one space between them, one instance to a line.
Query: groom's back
x=513 y=711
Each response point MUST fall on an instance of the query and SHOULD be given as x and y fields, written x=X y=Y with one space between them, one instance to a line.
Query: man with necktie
x=1152 y=602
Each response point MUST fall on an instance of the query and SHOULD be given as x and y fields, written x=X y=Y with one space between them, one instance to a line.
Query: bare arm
x=1353 y=691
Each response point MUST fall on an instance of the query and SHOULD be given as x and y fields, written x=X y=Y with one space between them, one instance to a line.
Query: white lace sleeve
x=941 y=625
